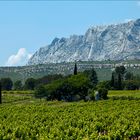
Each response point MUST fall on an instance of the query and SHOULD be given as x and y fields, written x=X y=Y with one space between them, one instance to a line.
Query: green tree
x=68 y=88
x=103 y=93
x=104 y=84
x=129 y=76
x=6 y=84
x=48 y=79
x=40 y=91
x=121 y=70
x=119 y=77
x=75 y=69
x=30 y=84
x=119 y=87
x=18 y=85
x=132 y=84
x=112 y=82
x=93 y=77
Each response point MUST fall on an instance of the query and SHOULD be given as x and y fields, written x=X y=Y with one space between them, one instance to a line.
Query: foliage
x=9 y=98
x=40 y=91
x=92 y=75
x=18 y=85
x=19 y=92
x=53 y=90
x=68 y=88
x=126 y=93
x=91 y=94
x=132 y=85
x=6 y=84
x=129 y=76
x=75 y=69
x=112 y=82
x=117 y=78
x=111 y=119
x=103 y=93
x=119 y=83
x=48 y=79
x=120 y=70
x=30 y=84
x=104 y=84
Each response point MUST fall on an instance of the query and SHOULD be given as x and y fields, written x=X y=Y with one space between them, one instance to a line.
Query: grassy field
x=23 y=117
x=124 y=93
x=18 y=92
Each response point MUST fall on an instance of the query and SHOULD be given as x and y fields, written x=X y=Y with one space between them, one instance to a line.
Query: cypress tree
x=93 y=77
x=119 y=82
x=112 y=80
x=75 y=69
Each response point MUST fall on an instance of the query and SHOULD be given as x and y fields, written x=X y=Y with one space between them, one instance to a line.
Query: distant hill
x=110 y=42
x=103 y=69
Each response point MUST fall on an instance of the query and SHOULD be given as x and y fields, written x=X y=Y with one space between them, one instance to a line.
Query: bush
x=103 y=93
x=18 y=85
x=68 y=89
x=104 y=84
x=40 y=91
x=131 y=85
x=30 y=84
x=91 y=94
x=6 y=84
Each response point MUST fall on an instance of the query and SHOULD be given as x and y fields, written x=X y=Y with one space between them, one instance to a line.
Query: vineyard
x=31 y=118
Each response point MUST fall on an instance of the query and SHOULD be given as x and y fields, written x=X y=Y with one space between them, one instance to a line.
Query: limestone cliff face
x=114 y=42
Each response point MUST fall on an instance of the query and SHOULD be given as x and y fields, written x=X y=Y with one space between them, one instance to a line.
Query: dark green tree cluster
x=67 y=89
x=118 y=77
x=18 y=85
x=30 y=83
x=121 y=79
x=79 y=86
x=6 y=83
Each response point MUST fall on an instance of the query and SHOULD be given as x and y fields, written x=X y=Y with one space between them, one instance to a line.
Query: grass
x=18 y=92
x=127 y=93
x=10 y=98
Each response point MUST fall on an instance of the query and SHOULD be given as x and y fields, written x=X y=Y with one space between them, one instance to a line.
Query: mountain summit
x=110 y=42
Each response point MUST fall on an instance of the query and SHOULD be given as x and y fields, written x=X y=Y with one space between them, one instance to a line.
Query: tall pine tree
x=93 y=77
x=75 y=69
x=112 y=80
x=119 y=82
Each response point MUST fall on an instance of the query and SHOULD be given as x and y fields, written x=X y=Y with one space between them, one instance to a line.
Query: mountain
x=110 y=42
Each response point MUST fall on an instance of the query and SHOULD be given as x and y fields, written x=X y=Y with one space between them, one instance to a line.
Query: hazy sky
x=26 y=26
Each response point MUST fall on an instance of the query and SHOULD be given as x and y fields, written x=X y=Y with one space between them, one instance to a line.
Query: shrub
x=6 y=84
x=30 y=84
x=69 y=88
x=40 y=91
x=131 y=85
x=91 y=94
x=103 y=93
x=18 y=85
x=104 y=84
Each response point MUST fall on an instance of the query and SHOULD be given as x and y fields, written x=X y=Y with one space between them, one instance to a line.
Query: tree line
x=79 y=85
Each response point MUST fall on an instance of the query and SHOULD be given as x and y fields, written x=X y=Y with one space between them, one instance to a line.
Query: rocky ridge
x=110 y=42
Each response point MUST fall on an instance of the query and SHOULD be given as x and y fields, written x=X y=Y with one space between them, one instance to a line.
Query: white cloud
x=19 y=59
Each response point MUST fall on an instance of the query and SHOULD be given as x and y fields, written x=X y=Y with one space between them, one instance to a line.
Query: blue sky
x=25 y=26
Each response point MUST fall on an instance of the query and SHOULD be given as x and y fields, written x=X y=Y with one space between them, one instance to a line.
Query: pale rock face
x=114 y=42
